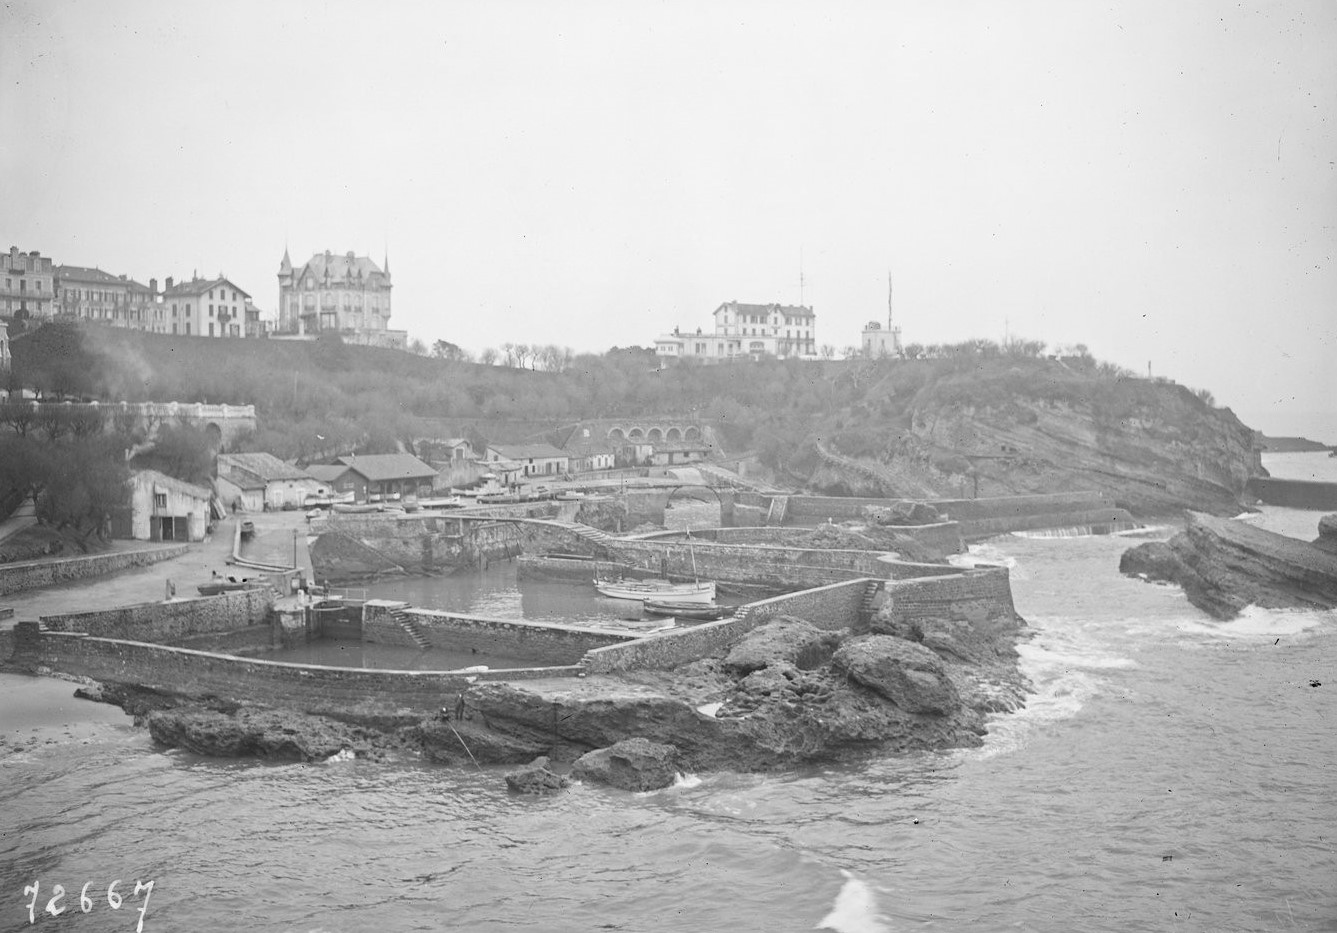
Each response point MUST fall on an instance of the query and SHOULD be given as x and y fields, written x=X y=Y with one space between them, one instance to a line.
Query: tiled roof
x=93 y=277
x=528 y=451
x=340 y=267
x=266 y=466
x=200 y=286
x=766 y=309
x=380 y=467
x=327 y=472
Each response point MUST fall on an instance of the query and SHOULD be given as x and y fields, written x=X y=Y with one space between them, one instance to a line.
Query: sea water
x=1169 y=772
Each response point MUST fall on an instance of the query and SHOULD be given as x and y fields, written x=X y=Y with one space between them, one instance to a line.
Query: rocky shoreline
x=788 y=694
x=1225 y=565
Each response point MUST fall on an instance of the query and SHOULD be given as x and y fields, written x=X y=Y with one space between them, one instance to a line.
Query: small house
x=384 y=476
x=534 y=459
x=257 y=482
x=163 y=508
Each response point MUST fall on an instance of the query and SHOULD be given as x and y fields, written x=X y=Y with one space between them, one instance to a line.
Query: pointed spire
x=285 y=266
x=889 y=290
x=386 y=265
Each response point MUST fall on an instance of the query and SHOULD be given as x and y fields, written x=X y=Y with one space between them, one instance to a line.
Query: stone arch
x=616 y=434
x=654 y=435
x=636 y=434
x=693 y=433
x=215 y=435
x=672 y=435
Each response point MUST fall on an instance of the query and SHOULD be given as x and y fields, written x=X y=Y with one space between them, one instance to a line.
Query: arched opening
x=215 y=435
x=635 y=434
x=693 y=433
x=673 y=435
x=616 y=435
x=654 y=436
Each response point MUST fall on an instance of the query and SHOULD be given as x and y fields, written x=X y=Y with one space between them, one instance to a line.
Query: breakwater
x=1294 y=493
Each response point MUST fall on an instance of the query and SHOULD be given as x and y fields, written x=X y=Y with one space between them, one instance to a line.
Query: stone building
x=166 y=509
x=372 y=477
x=4 y=350
x=258 y=482
x=115 y=300
x=748 y=331
x=204 y=307
x=343 y=293
x=28 y=285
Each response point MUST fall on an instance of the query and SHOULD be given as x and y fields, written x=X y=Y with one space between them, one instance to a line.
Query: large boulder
x=904 y=512
x=262 y=733
x=907 y=674
x=1327 y=533
x=536 y=779
x=464 y=742
x=632 y=764
x=785 y=639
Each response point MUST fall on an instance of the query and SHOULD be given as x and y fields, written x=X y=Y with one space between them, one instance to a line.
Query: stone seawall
x=974 y=518
x=541 y=643
x=35 y=573
x=836 y=606
x=1294 y=493
x=171 y=623
x=944 y=537
x=976 y=596
x=332 y=691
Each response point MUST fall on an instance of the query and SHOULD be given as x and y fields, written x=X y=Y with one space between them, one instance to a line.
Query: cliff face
x=1035 y=427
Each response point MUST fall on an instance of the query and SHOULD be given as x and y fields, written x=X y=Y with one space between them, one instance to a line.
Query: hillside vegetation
x=962 y=419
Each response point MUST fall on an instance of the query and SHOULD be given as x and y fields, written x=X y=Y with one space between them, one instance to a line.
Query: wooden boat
x=224 y=586
x=695 y=593
x=699 y=612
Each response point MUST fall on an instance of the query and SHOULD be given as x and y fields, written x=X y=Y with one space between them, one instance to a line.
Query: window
x=211 y=310
x=211 y=327
x=160 y=500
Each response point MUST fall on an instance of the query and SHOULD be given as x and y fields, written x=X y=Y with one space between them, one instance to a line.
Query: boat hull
x=699 y=612
x=641 y=590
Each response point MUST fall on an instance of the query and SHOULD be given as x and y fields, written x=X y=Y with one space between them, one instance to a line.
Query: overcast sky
x=1155 y=180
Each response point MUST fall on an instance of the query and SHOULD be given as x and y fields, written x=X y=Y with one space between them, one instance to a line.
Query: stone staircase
x=600 y=539
x=883 y=479
x=775 y=515
x=730 y=478
x=868 y=605
x=411 y=626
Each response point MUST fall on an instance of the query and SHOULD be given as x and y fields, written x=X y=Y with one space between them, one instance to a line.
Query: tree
x=488 y=357
x=445 y=350
x=183 y=451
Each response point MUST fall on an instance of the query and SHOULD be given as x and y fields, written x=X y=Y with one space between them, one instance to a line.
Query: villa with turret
x=337 y=293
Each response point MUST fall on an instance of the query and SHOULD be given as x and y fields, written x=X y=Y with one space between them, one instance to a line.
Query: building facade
x=115 y=300
x=204 y=308
x=748 y=331
x=262 y=482
x=28 y=285
x=166 y=509
x=534 y=459
x=344 y=294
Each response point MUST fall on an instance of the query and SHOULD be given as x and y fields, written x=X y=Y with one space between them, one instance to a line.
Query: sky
x=1156 y=181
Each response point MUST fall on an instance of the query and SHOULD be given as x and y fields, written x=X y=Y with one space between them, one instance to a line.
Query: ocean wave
x=855 y=910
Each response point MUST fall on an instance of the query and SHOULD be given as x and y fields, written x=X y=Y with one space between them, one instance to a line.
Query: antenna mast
x=889 y=292
x=800 y=277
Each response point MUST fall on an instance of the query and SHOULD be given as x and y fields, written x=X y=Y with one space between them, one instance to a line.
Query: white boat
x=657 y=589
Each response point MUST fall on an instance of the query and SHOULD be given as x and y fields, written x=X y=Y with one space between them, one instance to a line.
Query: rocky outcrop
x=786 y=640
x=1225 y=565
x=536 y=779
x=903 y=512
x=1327 y=534
x=259 y=733
x=633 y=764
x=907 y=674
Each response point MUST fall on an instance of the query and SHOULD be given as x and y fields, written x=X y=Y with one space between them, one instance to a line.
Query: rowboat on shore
x=227 y=586
x=697 y=612
x=694 y=593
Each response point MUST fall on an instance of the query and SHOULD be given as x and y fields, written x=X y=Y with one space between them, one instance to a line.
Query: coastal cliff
x=1003 y=427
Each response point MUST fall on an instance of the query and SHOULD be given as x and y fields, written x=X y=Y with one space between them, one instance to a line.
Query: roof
x=379 y=467
x=587 y=448
x=528 y=451
x=94 y=276
x=342 y=267
x=766 y=309
x=266 y=466
x=241 y=480
x=170 y=482
x=200 y=286
x=327 y=472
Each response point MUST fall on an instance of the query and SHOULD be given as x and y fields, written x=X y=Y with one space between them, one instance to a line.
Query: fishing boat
x=694 y=593
x=698 y=612
x=226 y=586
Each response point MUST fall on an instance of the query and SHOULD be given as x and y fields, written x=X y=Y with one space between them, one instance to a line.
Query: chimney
x=167 y=286
x=153 y=286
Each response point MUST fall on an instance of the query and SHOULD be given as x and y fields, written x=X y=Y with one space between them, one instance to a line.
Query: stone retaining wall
x=975 y=596
x=1294 y=493
x=834 y=607
x=311 y=688
x=1009 y=513
x=988 y=527
x=30 y=574
x=542 y=643
x=944 y=536
x=171 y=623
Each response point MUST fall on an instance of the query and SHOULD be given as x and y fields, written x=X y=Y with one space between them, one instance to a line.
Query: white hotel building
x=747 y=331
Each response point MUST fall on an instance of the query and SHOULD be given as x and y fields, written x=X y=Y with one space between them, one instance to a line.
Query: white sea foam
x=343 y=754
x=686 y=781
x=1258 y=623
x=855 y=910
x=709 y=709
x=982 y=554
